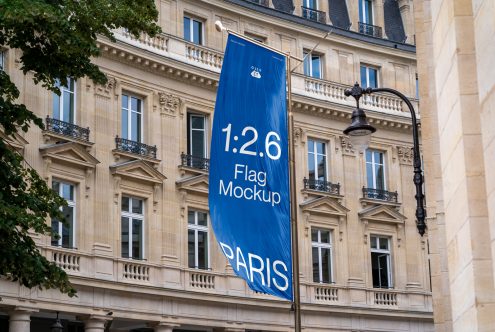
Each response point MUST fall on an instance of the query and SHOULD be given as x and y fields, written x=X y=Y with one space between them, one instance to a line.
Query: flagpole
x=293 y=206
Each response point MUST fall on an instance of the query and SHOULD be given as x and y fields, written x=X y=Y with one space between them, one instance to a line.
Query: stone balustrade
x=156 y=43
x=201 y=56
x=202 y=280
x=68 y=261
x=204 y=55
x=135 y=271
x=326 y=293
x=387 y=298
x=185 y=279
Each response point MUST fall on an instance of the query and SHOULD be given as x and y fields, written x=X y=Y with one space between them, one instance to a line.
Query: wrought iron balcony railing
x=380 y=194
x=369 y=29
x=320 y=185
x=195 y=162
x=264 y=3
x=314 y=15
x=67 y=129
x=134 y=147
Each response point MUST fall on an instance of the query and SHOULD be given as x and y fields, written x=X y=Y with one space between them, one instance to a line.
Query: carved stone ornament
x=298 y=132
x=108 y=88
x=168 y=103
x=347 y=147
x=406 y=155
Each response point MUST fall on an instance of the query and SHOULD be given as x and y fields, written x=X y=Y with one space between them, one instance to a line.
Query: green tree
x=57 y=39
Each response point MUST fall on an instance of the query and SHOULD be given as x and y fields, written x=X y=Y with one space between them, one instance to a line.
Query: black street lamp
x=360 y=134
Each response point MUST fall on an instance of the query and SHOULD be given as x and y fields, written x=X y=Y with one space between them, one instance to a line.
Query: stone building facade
x=455 y=51
x=131 y=157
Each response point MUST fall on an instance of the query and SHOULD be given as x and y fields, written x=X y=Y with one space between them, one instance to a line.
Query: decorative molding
x=382 y=214
x=195 y=184
x=108 y=88
x=168 y=103
x=326 y=206
x=165 y=67
x=406 y=155
x=298 y=134
x=70 y=152
x=138 y=170
x=347 y=147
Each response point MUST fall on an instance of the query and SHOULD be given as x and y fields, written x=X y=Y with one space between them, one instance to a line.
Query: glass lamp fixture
x=57 y=326
x=360 y=130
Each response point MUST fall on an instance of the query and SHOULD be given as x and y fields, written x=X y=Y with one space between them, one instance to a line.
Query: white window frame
x=374 y=164
x=323 y=245
x=309 y=55
x=130 y=216
x=368 y=68
x=364 y=17
x=61 y=100
x=72 y=204
x=129 y=116
x=315 y=155
x=190 y=132
x=199 y=228
x=387 y=252
x=191 y=29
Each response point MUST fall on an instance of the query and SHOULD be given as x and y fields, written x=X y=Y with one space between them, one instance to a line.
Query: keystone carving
x=406 y=155
x=168 y=103
x=346 y=145
x=107 y=89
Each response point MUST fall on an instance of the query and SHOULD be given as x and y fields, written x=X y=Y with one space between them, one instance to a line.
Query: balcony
x=188 y=160
x=313 y=15
x=264 y=3
x=134 y=147
x=379 y=194
x=369 y=29
x=324 y=186
x=67 y=129
x=202 y=57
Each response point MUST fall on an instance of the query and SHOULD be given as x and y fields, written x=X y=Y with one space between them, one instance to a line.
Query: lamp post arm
x=418 y=173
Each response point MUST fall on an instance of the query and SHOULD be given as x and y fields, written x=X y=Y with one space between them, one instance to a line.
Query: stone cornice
x=341 y=112
x=157 y=64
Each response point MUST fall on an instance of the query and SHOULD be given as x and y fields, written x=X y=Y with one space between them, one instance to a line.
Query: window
x=197 y=239
x=196 y=135
x=317 y=160
x=132 y=118
x=312 y=64
x=193 y=30
x=65 y=231
x=380 y=262
x=375 y=169
x=369 y=77
x=311 y=4
x=321 y=243
x=132 y=219
x=64 y=105
x=366 y=11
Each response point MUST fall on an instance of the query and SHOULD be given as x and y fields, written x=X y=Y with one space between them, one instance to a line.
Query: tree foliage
x=57 y=39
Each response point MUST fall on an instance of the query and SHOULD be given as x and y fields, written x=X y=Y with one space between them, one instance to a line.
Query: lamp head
x=57 y=326
x=219 y=26
x=360 y=130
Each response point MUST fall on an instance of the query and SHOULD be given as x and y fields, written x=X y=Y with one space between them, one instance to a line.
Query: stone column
x=20 y=319
x=96 y=323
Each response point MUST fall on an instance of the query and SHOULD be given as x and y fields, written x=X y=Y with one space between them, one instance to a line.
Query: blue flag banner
x=249 y=195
